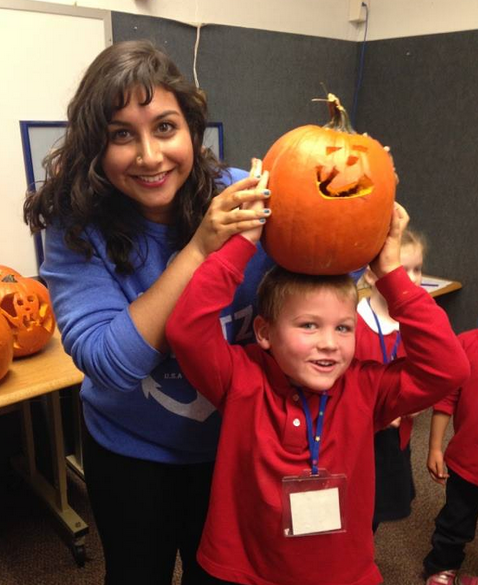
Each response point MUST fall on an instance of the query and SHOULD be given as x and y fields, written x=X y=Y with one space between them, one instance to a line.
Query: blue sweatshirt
x=136 y=401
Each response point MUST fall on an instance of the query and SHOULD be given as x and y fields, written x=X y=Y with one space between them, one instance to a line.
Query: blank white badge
x=315 y=511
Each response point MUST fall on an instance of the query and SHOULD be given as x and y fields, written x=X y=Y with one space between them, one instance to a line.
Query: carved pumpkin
x=25 y=304
x=332 y=197
x=6 y=347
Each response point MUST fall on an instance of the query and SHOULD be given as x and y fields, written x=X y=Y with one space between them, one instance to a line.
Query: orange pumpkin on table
x=332 y=197
x=6 y=347
x=25 y=305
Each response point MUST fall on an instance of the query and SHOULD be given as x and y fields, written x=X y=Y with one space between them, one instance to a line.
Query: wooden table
x=439 y=286
x=45 y=374
x=434 y=285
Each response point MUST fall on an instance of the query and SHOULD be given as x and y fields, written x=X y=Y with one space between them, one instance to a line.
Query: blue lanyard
x=314 y=439
x=393 y=353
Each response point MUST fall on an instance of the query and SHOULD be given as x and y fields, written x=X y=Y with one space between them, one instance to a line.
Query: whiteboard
x=45 y=50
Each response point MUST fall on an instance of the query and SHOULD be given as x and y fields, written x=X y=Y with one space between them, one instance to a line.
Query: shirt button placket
x=294 y=438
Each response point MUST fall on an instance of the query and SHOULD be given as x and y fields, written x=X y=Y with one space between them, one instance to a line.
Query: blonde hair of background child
x=410 y=237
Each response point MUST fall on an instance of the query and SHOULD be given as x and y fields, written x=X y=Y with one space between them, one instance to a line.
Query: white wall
x=323 y=18
x=43 y=58
x=406 y=18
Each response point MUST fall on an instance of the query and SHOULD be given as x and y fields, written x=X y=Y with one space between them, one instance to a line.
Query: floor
x=31 y=552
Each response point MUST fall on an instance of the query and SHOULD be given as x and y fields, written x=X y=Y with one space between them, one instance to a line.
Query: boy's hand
x=389 y=257
x=436 y=466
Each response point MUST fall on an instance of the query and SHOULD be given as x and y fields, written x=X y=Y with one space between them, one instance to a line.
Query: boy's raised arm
x=436 y=363
x=194 y=329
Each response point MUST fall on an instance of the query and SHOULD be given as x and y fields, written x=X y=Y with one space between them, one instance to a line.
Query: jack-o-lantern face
x=345 y=171
x=332 y=199
x=25 y=304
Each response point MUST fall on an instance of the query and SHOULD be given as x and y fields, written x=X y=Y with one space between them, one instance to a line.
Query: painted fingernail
x=266 y=211
x=266 y=192
x=262 y=220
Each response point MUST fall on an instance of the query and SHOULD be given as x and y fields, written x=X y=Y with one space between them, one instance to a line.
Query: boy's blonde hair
x=278 y=284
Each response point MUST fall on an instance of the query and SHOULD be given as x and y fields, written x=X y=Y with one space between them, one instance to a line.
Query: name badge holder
x=315 y=501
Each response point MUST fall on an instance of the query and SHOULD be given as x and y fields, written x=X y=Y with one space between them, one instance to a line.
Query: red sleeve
x=436 y=363
x=448 y=405
x=194 y=330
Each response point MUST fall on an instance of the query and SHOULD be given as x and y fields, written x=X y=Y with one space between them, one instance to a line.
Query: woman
x=131 y=209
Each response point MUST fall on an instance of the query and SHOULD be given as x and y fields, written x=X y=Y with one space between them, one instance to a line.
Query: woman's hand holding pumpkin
x=389 y=257
x=238 y=209
x=254 y=234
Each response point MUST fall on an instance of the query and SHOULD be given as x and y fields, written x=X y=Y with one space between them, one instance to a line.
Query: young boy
x=456 y=522
x=298 y=402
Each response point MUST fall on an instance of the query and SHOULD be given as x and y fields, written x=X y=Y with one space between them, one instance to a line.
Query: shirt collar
x=365 y=311
x=279 y=381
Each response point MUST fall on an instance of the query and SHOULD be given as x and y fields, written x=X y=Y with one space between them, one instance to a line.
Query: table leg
x=75 y=460
x=55 y=496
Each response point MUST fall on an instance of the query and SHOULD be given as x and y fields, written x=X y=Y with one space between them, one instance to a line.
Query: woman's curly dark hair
x=77 y=193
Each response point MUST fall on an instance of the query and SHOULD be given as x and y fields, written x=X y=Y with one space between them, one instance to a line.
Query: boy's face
x=313 y=338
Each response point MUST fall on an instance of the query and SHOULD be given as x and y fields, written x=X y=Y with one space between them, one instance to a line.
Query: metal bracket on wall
x=357 y=10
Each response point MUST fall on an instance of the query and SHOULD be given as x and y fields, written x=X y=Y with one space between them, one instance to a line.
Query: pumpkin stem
x=9 y=278
x=339 y=119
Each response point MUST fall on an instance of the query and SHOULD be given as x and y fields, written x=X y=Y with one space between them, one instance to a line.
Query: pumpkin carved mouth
x=332 y=184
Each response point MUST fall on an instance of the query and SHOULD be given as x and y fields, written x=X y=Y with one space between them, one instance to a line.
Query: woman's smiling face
x=150 y=152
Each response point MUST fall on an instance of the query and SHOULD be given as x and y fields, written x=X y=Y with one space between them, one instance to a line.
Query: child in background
x=378 y=338
x=297 y=400
x=456 y=522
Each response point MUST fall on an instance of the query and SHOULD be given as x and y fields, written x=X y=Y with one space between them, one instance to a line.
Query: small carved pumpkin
x=332 y=197
x=25 y=304
x=6 y=347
